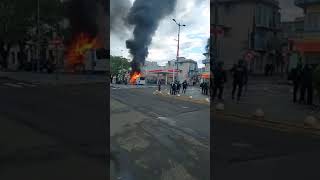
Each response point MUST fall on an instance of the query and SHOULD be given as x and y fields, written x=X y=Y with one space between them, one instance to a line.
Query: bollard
x=220 y=107
x=311 y=121
x=259 y=113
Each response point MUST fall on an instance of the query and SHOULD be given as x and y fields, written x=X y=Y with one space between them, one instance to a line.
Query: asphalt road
x=160 y=137
x=244 y=151
x=53 y=131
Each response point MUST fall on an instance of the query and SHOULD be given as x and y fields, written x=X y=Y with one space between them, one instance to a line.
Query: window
x=313 y=21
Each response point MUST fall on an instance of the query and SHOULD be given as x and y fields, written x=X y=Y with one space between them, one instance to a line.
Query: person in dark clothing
x=178 y=87
x=184 y=86
x=202 y=87
x=220 y=78
x=171 y=88
x=296 y=79
x=174 y=89
x=306 y=85
x=159 y=85
x=271 y=69
x=205 y=88
x=239 y=75
x=266 y=69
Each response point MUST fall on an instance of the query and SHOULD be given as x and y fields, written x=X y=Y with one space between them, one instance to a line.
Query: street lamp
x=179 y=26
x=38 y=35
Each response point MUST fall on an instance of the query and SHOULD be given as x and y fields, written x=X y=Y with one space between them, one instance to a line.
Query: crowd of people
x=175 y=87
x=240 y=79
x=302 y=79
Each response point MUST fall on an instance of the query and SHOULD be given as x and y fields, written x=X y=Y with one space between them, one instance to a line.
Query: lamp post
x=179 y=26
x=38 y=35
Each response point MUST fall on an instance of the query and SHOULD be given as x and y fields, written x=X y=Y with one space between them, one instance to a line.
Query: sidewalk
x=54 y=79
x=273 y=96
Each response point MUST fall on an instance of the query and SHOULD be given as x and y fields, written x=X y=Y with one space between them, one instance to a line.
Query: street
x=247 y=151
x=53 y=132
x=154 y=137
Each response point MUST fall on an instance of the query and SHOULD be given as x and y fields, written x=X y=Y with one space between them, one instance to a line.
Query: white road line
x=13 y=85
x=25 y=84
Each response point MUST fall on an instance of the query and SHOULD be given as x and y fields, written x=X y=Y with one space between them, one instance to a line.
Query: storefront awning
x=205 y=75
x=307 y=46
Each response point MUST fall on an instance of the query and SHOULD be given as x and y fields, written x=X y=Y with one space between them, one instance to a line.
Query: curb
x=302 y=128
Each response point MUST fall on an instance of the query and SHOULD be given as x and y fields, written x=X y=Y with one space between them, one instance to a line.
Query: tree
x=17 y=16
x=118 y=66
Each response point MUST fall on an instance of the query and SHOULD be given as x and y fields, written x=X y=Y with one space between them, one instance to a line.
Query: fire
x=134 y=77
x=78 y=48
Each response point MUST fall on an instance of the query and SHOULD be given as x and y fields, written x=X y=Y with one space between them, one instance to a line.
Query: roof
x=269 y=2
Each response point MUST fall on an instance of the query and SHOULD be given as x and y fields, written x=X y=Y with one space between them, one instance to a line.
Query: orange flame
x=134 y=77
x=78 y=48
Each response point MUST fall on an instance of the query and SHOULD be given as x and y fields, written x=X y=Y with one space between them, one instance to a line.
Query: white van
x=141 y=81
x=96 y=60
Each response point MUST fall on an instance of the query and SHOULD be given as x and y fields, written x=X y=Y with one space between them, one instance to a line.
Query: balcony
x=303 y=3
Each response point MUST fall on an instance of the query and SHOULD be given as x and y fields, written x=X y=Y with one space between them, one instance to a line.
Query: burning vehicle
x=86 y=54
x=86 y=49
x=137 y=78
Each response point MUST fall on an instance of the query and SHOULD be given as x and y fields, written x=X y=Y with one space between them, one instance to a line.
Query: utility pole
x=38 y=35
x=215 y=26
x=178 y=47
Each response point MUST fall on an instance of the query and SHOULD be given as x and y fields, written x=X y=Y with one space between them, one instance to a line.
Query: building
x=292 y=29
x=308 y=46
x=204 y=73
x=247 y=26
x=186 y=69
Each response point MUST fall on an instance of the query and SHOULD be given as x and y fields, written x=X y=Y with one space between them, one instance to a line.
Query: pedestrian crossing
x=18 y=85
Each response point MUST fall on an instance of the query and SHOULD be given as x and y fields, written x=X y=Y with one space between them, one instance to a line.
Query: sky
x=289 y=11
x=195 y=14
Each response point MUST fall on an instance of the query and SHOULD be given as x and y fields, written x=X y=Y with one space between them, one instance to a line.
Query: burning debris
x=76 y=51
x=84 y=17
x=145 y=16
x=134 y=77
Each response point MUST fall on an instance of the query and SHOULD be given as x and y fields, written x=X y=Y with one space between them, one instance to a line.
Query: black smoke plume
x=145 y=16
x=82 y=15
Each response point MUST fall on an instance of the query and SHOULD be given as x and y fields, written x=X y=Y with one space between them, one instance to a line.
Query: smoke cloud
x=83 y=17
x=145 y=16
x=119 y=10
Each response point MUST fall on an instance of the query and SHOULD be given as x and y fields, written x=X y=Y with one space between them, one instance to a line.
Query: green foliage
x=118 y=66
x=17 y=16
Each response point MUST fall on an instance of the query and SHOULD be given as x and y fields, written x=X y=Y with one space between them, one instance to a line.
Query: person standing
x=171 y=88
x=220 y=78
x=159 y=85
x=184 y=86
x=178 y=87
x=239 y=75
x=205 y=87
x=296 y=79
x=306 y=85
x=202 y=87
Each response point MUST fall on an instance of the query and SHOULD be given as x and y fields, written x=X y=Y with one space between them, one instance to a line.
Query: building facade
x=308 y=46
x=251 y=25
x=184 y=69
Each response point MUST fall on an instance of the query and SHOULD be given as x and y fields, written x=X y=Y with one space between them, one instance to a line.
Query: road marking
x=13 y=85
x=25 y=84
x=184 y=107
